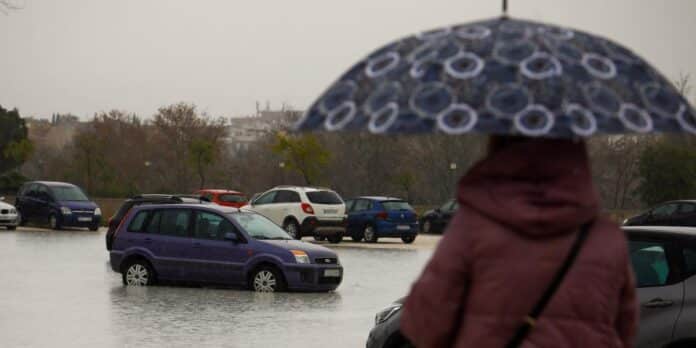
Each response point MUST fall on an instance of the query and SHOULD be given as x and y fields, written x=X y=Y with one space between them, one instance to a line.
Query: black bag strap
x=531 y=319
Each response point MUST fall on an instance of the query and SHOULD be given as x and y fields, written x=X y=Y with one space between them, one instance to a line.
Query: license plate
x=330 y=211
x=332 y=273
x=84 y=218
x=403 y=227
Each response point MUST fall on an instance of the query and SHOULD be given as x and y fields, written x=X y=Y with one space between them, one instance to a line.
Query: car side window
x=665 y=210
x=687 y=208
x=266 y=198
x=42 y=192
x=649 y=260
x=349 y=205
x=175 y=222
x=286 y=196
x=211 y=226
x=689 y=254
x=138 y=222
x=361 y=205
x=153 y=223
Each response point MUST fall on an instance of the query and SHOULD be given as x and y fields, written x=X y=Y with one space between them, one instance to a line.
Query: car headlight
x=97 y=211
x=387 y=313
x=65 y=210
x=13 y=211
x=300 y=256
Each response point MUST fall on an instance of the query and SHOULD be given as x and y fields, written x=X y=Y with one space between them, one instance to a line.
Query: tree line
x=179 y=150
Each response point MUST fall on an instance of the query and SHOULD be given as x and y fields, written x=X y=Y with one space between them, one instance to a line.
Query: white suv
x=303 y=211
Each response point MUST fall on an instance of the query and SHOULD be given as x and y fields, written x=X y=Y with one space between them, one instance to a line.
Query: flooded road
x=57 y=290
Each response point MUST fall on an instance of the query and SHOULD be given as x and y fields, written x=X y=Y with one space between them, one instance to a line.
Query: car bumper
x=9 y=220
x=115 y=258
x=313 y=277
x=395 y=229
x=80 y=220
x=313 y=226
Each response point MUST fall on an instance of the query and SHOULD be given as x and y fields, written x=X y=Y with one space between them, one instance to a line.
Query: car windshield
x=324 y=197
x=396 y=205
x=258 y=227
x=68 y=193
x=232 y=198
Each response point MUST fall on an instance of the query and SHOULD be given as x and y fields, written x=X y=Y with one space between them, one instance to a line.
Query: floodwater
x=56 y=289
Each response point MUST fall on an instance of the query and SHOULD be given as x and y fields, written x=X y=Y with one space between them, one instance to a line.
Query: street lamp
x=453 y=166
x=281 y=165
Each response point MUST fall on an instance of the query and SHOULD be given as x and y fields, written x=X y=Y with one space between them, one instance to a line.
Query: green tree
x=303 y=154
x=668 y=169
x=202 y=153
x=15 y=146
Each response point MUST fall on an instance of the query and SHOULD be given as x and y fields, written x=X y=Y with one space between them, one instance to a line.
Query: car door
x=43 y=202
x=350 y=228
x=25 y=201
x=219 y=260
x=687 y=320
x=685 y=215
x=361 y=213
x=659 y=290
x=173 y=243
x=284 y=204
x=263 y=205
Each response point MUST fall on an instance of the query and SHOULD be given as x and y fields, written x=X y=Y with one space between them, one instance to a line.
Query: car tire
x=427 y=226
x=11 y=228
x=138 y=273
x=94 y=228
x=335 y=239
x=54 y=222
x=408 y=239
x=370 y=234
x=319 y=238
x=293 y=229
x=267 y=279
x=357 y=237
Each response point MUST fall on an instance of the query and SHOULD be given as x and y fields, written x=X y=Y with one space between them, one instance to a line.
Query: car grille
x=83 y=212
x=4 y=211
x=326 y=260
x=329 y=280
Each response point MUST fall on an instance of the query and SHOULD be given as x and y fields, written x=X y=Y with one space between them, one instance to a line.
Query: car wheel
x=53 y=222
x=319 y=238
x=427 y=226
x=138 y=273
x=335 y=239
x=408 y=239
x=292 y=229
x=93 y=227
x=356 y=237
x=11 y=228
x=267 y=279
x=370 y=234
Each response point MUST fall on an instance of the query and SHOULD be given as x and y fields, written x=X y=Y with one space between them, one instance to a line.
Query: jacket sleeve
x=433 y=309
x=627 y=317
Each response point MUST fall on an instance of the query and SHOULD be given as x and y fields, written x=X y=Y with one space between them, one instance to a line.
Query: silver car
x=664 y=261
x=9 y=217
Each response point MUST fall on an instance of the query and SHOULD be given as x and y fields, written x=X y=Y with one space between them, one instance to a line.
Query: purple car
x=219 y=245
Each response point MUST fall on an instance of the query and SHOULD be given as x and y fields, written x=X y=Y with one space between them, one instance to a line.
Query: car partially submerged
x=664 y=262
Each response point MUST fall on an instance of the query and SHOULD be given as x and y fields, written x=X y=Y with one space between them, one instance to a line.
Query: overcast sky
x=85 y=56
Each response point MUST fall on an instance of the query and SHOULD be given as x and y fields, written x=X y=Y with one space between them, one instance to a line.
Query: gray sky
x=85 y=56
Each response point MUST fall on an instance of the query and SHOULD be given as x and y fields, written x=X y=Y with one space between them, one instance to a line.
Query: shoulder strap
x=531 y=318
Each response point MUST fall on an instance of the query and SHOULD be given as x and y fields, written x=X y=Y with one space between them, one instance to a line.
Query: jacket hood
x=539 y=188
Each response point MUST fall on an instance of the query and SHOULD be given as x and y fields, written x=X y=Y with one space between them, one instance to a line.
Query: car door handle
x=658 y=303
x=148 y=240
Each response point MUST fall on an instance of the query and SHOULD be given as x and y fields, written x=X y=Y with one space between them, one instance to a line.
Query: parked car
x=303 y=211
x=674 y=213
x=144 y=199
x=219 y=245
x=664 y=262
x=59 y=204
x=371 y=218
x=227 y=198
x=8 y=215
x=436 y=220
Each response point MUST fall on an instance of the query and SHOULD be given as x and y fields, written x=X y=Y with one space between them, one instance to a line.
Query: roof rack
x=300 y=186
x=172 y=197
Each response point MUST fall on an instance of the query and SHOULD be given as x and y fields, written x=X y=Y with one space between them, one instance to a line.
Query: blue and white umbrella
x=502 y=76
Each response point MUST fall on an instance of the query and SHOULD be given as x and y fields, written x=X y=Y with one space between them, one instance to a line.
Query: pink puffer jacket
x=520 y=211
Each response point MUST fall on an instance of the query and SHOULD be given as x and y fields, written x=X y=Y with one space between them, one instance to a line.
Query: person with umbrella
x=527 y=259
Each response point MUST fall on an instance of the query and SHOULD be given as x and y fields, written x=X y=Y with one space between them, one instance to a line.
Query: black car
x=436 y=220
x=115 y=220
x=674 y=213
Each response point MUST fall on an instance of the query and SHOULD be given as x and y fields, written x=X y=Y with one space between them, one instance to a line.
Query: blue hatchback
x=219 y=245
x=59 y=204
x=371 y=218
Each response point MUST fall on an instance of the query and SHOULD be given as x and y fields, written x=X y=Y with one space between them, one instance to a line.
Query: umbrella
x=502 y=76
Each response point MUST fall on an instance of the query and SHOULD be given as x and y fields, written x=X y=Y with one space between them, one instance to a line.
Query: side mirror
x=232 y=237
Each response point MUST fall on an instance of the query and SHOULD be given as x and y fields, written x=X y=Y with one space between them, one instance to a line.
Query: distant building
x=244 y=131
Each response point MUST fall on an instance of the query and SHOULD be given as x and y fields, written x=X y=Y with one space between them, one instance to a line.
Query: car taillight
x=307 y=208
x=382 y=215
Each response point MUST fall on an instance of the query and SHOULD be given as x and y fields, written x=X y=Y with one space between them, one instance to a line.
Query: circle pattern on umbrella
x=502 y=76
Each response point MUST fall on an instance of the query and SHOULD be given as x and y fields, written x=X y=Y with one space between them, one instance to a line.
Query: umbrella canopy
x=502 y=76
